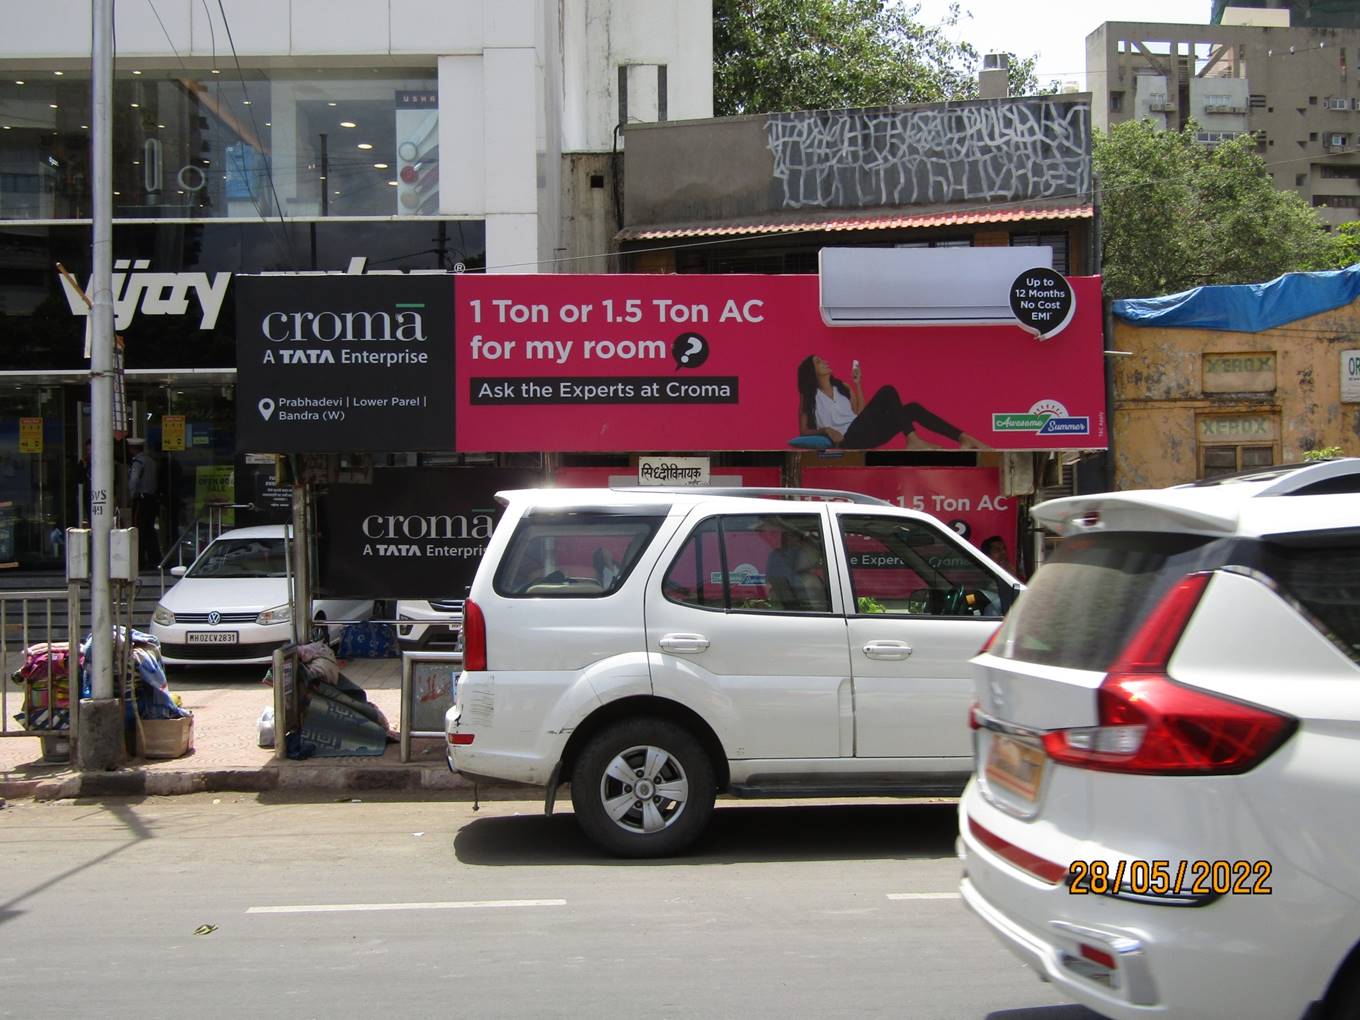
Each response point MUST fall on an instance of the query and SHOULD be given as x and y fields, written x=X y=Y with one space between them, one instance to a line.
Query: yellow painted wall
x=1158 y=393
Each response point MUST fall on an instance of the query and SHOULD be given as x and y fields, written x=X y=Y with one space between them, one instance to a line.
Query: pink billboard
x=626 y=363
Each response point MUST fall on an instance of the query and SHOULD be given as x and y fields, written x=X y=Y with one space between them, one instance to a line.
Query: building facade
x=1296 y=90
x=290 y=135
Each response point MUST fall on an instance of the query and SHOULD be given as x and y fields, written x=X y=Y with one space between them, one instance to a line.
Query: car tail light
x=1151 y=724
x=462 y=739
x=474 y=637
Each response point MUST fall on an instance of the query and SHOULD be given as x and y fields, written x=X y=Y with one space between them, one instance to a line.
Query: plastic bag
x=265 y=726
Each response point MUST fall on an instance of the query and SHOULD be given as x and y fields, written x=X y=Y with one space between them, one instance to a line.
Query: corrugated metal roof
x=947 y=218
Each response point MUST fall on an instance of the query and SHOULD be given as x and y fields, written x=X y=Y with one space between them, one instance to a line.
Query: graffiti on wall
x=1011 y=149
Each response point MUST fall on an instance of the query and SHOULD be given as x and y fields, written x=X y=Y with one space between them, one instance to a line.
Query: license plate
x=1015 y=766
x=212 y=637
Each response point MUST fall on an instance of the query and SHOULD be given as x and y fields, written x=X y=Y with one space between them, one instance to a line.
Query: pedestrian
x=142 y=489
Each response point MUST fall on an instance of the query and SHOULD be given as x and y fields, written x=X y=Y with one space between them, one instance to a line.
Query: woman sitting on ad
x=827 y=407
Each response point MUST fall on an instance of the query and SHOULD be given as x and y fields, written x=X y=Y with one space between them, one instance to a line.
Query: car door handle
x=683 y=642
x=887 y=650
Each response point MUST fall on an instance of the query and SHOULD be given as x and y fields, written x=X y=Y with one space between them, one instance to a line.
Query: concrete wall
x=940 y=154
x=1163 y=405
x=1285 y=75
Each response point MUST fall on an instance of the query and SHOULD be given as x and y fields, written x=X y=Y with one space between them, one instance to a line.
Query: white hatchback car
x=653 y=648
x=1165 y=813
x=231 y=605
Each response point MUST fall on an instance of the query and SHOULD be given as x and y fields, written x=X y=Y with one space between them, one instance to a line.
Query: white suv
x=653 y=648
x=1165 y=815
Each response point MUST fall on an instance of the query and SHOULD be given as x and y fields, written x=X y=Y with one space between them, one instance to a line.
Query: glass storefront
x=211 y=143
x=175 y=310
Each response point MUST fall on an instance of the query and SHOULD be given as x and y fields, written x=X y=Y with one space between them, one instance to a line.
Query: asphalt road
x=235 y=905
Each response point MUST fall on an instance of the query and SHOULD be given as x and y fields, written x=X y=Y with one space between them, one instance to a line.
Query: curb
x=324 y=778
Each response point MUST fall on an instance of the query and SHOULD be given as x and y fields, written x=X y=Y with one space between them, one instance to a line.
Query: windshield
x=241 y=557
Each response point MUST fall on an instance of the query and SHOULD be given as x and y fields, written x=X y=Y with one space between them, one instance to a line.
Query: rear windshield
x=574 y=554
x=1085 y=602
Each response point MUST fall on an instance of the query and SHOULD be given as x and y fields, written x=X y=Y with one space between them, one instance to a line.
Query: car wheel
x=643 y=788
x=1343 y=1000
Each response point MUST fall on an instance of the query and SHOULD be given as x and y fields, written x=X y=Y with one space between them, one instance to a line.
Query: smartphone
x=854 y=367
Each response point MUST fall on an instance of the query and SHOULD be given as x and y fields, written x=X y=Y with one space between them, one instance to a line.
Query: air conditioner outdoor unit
x=923 y=286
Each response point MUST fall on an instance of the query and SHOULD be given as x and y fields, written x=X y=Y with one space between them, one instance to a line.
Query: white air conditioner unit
x=923 y=286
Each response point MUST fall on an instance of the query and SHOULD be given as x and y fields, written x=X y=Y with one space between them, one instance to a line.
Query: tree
x=1177 y=214
x=773 y=55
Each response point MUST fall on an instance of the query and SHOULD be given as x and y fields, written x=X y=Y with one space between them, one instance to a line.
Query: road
x=233 y=905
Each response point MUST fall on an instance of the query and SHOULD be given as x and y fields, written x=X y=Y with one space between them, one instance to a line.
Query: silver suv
x=655 y=648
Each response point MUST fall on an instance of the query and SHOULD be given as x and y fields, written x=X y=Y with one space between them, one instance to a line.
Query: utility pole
x=99 y=744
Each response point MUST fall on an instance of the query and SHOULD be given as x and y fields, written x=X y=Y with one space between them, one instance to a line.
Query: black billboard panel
x=413 y=533
x=344 y=363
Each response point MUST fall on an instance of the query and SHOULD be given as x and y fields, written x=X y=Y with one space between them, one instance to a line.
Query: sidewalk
x=226 y=756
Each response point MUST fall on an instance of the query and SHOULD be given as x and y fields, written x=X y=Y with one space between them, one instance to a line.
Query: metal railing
x=47 y=692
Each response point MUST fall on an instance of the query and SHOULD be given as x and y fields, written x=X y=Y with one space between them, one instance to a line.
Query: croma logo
x=404 y=325
x=394 y=527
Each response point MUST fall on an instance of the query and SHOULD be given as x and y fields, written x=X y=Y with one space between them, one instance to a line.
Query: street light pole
x=99 y=744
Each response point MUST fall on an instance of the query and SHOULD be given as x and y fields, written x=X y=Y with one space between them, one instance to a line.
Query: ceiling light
x=245 y=102
x=58 y=73
x=161 y=126
x=337 y=194
x=136 y=106
x=348 y=123
x=379 y=166
x=84 y=127
x=392 y=184
x=18 y=81
x=136 y=72
x=216 y=71
x=330 y=104
x=5 y=126
x=117 y=192
x=268 y=124
x=365 y=145
x=52 y=105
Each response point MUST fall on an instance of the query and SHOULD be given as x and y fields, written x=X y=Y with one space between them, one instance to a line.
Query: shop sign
x=215 y=483
x=155 y=293
x=621 y=363
x=1250 y=372
x=30 y=435
x=1350 y=376
x=344 y=363
x=673 y=471
x=172 y=432
x=413 y=533
x=1238 y=428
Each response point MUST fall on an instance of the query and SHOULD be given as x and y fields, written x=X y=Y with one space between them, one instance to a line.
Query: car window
x=1325 y=578
x=1082 y=605
x=753 y=563
x=241 y=557
x=573 y=554
x=909 y=567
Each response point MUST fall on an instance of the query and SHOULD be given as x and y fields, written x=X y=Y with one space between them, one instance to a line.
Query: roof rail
x=760 y=492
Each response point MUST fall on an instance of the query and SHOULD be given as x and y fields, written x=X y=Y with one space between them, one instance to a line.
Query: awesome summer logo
x=1045 y=418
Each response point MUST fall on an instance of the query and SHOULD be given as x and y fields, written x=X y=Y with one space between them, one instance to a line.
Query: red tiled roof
x=949 y=218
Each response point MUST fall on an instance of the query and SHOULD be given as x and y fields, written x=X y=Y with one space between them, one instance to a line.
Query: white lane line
x=923 y=895
x=333 y=908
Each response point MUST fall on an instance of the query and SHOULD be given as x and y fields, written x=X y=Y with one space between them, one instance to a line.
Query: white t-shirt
x=833 y=411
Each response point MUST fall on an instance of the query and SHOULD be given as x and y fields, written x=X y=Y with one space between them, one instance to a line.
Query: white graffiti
x=1006 y=150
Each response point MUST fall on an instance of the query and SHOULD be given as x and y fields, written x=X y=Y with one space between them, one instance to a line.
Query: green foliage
x=869 y=604
x=774 y=55
x=1322 y=453
x=1344 y=247
x=1176 y=214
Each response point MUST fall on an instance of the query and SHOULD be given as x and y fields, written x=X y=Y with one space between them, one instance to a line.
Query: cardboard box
x=168 y=738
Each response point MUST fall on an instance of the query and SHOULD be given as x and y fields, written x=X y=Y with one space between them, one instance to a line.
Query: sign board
x=728 y=362
x=1238 y=428
x=673 y=471
x=413 y=533
x=337 y=363
x=429 y=683
x=1350 y=377
x=30 y=435
x=1248 y=372
x=172 y=432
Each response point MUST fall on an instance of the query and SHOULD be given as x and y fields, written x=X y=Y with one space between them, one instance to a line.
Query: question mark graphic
x=690 y=350
x=694 y=347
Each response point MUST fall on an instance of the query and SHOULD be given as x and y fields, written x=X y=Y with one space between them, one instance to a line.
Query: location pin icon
x=266 y=408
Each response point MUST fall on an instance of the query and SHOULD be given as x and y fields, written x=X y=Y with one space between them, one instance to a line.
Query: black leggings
x=885 y=416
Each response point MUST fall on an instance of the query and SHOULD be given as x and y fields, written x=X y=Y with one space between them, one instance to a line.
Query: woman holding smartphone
x=827 y=407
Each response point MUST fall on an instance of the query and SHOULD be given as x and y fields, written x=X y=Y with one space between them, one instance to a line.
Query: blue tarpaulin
x=1248 y=307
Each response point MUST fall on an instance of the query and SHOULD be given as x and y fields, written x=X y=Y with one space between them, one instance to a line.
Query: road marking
x=923 y=895
x=334 y=908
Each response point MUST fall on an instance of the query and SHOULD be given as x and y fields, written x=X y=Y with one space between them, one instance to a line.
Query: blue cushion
x=811 y=442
